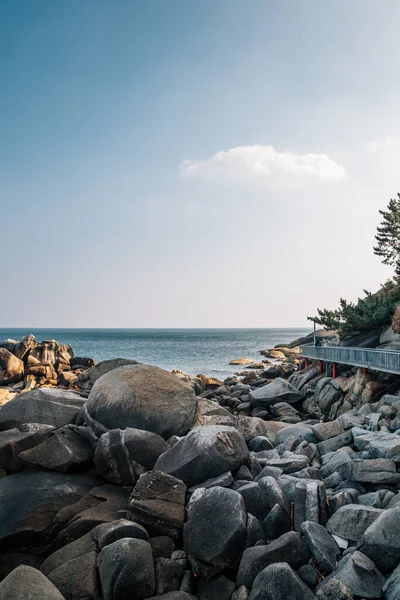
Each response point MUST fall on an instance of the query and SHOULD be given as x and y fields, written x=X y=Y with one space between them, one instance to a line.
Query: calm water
x=193 y=351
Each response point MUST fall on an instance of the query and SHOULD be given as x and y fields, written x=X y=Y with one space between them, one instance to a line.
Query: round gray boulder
x=204 y=453
x=215 y=532
x=26 y=582
x=126 y=570
x=143 y=397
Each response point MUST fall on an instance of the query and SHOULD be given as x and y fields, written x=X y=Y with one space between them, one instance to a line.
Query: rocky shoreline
x=121 y=481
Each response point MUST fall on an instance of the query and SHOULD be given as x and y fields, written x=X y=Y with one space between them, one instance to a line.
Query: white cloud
x=264 y=165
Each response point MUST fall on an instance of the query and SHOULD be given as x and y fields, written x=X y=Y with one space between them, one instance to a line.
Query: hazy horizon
x=17 y=328
x=193 y=164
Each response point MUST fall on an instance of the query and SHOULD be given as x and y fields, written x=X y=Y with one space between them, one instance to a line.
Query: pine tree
x=388 y=235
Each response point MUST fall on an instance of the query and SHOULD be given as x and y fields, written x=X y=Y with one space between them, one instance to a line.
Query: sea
x=192 y=351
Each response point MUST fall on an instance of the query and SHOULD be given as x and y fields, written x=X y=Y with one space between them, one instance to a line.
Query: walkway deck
x=366 y=358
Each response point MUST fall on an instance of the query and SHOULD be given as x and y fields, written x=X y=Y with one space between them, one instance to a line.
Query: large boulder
x=30 y=501
x=204 y=453
x=126 y=570
x=65 y=450
x=122 y=455
x=380 y=444
x=11 y=367
x=48 y=353
x=381 y=541
x=289 y=547
x=359 y=574
x=278 y=390
x=216 y=531
x=28 y=583
x=78 y=578
x=43 y=405
x=322 y=545
x=352 y=520
x=143 y=397
x=279 y=581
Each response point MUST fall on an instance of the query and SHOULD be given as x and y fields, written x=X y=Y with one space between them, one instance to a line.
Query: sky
x=193 y=164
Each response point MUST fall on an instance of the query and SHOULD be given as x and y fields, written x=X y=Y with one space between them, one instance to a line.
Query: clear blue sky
x=187 y=163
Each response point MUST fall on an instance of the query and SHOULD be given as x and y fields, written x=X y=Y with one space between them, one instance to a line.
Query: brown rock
x=24 y=346
x=273 y=353
x=6 y=394
x=11 y=367
x=67 y=378
x=241 y=361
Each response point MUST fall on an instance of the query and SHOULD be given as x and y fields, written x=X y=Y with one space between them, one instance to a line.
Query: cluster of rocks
x=144 y=484
x=286 y=356
x=27 y=363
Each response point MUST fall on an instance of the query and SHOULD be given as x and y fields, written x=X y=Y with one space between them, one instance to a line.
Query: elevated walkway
x=373 y=359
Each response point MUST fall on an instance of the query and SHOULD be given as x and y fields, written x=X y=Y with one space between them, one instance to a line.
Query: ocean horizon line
x=38 y=328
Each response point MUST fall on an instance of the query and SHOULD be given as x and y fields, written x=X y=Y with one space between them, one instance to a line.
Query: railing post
x=334 y=370
x=321 y=367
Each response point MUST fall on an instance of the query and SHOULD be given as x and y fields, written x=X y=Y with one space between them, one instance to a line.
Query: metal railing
x=368 y=358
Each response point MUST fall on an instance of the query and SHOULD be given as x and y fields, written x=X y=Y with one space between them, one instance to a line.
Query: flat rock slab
x=379 y=470
x=43 y=405
x=325 y=431
x=279 y=390
x=379 y=444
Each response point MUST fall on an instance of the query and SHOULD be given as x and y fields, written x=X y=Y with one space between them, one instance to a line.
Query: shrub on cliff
x=371 y=312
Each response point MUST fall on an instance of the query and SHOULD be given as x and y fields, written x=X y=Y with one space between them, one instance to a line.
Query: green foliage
x=369 y=313
x=388 y=235
x=375 y=310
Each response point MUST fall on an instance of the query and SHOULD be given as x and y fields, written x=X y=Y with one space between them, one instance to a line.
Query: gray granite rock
x=352 y=520
x=289 y=548
x=323 y=547
x=204 y=453
x=216 y=531
x=279 y=581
